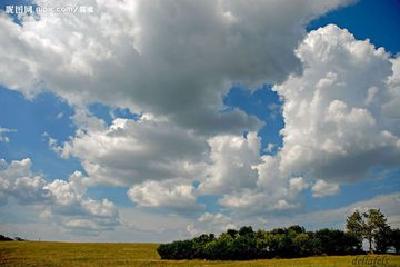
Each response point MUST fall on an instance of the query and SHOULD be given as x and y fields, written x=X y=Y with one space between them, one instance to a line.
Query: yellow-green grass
x=35 y=253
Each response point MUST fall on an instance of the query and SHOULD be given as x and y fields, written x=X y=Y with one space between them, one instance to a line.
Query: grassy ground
x=26 y=253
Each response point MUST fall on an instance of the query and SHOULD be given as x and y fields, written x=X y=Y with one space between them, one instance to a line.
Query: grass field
x=31 y=253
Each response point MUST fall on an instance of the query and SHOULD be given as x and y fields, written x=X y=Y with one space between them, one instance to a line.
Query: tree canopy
x=245 y=243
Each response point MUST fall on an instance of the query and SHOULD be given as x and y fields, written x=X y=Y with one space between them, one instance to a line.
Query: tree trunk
x=370 y=245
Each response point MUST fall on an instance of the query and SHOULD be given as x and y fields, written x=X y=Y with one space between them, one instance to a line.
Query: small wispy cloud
x=3 y=134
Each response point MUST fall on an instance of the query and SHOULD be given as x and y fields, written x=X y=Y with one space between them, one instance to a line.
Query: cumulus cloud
x=258 y=201
x=337 y=127
x=129 y=152
x=3 y=134
x=169 y=58
x=142 y=154
x=160 y=162
x=250 y=184
x=176 y=195
x=233 y=158
x=337 y=121
x=340 y=121
x=321 y=189
x=175 y=61
x=16 y=180
x=64 y=201
x=209 y=222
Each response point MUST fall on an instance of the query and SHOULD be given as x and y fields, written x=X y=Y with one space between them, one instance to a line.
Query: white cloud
x=60 y=115
x=249 y=184
x=129 y=152
x=337 y=217
x=336 y=125
x=160 y=162
x=232 y=161
x=3 y=132
x=66 y=193
x=297 y=184
x=322 y=189
x=170 y=194
x=62 y=201
x=210 y=223
x=17 y=180
x=136 y=225
x=257 y=202
x=174 y=59
x=335 y=128
x=391 y=108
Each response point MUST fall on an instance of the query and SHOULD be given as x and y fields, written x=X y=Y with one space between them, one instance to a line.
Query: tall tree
x=355 y=225
x=375 y=225
x=371 y=225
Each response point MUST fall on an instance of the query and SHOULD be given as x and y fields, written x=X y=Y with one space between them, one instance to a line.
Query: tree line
x=288 y=242
x=6 y=238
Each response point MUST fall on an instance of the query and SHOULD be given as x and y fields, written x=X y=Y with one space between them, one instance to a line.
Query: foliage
x=355 y=224
x=395 y=239
x=5 y=238
x=371 y=225
x=245 y=244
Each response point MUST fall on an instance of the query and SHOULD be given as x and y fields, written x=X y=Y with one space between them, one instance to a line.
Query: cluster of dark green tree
x=290 y=242
x=245 y=243
x=6 y=238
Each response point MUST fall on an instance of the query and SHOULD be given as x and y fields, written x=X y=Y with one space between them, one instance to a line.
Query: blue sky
x=28 y=119
x=368 y=19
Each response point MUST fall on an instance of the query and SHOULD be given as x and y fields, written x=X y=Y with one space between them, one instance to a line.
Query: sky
x=149 y=121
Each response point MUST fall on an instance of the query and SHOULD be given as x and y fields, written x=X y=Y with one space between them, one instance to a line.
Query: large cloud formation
x=173 y=60
x=340 y=115
x=63 y=200
x=129 y=152
x=169 y=58
x=340 y=124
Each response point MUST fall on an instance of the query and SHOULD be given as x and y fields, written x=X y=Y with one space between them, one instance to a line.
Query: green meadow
x=36 y=253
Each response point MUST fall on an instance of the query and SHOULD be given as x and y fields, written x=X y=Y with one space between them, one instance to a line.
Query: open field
x=33 y=253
